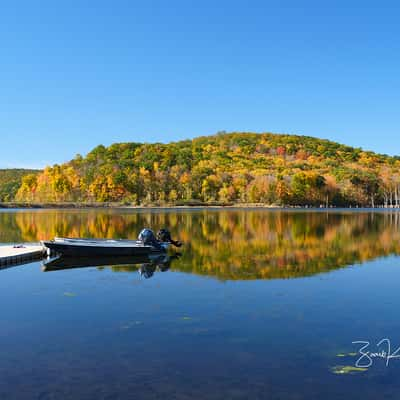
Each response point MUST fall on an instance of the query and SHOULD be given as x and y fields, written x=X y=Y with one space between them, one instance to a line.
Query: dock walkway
x=16 y=254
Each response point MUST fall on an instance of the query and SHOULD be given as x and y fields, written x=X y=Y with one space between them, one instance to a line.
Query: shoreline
x=47 y=206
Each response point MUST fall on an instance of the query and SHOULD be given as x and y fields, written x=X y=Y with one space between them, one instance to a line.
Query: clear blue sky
x=74 y=74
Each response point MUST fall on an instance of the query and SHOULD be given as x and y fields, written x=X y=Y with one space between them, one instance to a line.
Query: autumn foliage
x=226 y=167
x=11 y=180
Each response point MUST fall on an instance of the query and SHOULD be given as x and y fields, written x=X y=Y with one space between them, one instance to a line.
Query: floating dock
x=18 y=254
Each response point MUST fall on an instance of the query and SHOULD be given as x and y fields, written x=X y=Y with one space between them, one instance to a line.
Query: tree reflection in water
x=230 y=243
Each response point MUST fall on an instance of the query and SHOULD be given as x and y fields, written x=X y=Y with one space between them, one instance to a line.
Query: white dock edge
x=10 y=255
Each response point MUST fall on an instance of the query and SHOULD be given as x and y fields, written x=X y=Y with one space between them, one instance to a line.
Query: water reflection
x=145 y=264
x=230 y=244
x=97 y=333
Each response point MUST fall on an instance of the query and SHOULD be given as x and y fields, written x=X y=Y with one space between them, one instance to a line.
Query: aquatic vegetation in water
x=346 y=354
x=130 y=324
x=347 y=369
x=185 y=318
x=69 y=294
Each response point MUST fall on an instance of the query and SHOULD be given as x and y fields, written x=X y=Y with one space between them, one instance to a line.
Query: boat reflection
x=145 y=264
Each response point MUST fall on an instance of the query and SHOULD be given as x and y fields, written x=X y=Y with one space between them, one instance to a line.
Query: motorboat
x=147 y=243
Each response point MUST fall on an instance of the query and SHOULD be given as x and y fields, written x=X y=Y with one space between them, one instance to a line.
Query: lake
x=260 y=304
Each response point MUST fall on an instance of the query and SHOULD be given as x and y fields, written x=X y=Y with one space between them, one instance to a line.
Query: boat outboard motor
x=147 y=237
x=164 y=235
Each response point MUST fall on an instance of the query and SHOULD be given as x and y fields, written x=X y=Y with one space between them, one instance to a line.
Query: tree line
x=11 y=180
x=234 y=167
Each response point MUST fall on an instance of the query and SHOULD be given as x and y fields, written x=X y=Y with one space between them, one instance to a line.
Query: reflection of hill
x=231 y=244
x=288 y=245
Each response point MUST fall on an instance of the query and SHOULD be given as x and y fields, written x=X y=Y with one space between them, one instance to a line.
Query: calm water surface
x=260 y=305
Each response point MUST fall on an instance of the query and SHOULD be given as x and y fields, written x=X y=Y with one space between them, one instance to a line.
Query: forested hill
x=10 y=182
x=226 y=167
